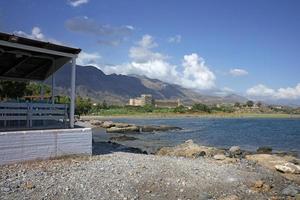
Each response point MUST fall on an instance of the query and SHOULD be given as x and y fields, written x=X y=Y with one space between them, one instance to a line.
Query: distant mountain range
x=117 y=89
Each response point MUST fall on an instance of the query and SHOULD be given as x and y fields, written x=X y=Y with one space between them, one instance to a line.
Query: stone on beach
x=235 y=151
x=288 y=168
x=219 y=157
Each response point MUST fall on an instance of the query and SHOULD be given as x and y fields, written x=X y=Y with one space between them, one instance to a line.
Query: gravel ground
x=122 y=175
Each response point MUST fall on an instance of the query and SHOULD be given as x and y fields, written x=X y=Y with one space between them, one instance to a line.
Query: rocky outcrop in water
x=129 y=129
x=114 y=127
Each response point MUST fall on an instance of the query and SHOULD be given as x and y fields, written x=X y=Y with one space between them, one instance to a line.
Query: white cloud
x=238 y=72
x=145 y=61
x=143 y=53
x=147 y=42
x=262 y=91
x=196 y=74
x=85 y=58
x=76 y=3
x=36 y=34
x=175 y=39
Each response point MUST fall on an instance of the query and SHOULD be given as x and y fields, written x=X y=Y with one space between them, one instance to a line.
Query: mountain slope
x=117 y=89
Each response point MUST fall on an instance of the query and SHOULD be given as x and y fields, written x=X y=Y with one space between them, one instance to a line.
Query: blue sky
x=247 y=47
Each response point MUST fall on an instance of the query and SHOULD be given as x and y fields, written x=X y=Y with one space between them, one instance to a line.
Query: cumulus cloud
x=262 y=91
x=76 y=3
x=143 y=51
x=196 y=74
x=146 y=61
x=36 y=34
x=175 y=39
x=85 y=58
x=238 y=72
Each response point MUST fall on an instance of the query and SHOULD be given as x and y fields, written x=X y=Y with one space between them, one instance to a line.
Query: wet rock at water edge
x=129 y=129
x=123 y=138
x=151 y=128
x=235 y=151
x=107 y=124
x=96 y=123
x=264 y=150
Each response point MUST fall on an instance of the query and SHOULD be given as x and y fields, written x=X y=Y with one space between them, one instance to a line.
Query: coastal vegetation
x=84 y=106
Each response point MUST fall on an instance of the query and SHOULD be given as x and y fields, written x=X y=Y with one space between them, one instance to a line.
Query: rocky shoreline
x=186 y=171
x=168 y=175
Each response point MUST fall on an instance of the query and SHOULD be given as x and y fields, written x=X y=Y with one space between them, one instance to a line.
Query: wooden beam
x=11 y=69
x=37 y=69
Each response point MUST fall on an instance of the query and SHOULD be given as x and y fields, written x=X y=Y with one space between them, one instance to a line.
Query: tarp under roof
x=26 y=59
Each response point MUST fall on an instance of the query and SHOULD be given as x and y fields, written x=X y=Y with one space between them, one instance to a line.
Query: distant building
x=144 y=99
x=147 y=99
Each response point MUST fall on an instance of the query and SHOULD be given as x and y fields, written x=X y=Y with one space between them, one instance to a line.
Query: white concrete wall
x=42 y=144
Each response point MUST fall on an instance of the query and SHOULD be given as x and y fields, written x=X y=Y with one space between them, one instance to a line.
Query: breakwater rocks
x=114 y=127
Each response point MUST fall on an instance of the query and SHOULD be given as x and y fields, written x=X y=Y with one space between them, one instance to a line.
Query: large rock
x=288 y=168
x=107 y=124
x=190 y=150
x=151 y=128
x=121 y=125
x=235 y=151
x=96 y=122
x=129 y=129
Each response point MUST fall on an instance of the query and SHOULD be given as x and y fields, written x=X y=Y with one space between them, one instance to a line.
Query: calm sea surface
x=249 y=134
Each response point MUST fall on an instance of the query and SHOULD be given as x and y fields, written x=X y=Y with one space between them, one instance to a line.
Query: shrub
x=201 y=107
x=180 y=109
